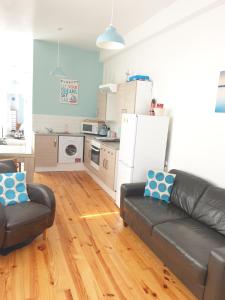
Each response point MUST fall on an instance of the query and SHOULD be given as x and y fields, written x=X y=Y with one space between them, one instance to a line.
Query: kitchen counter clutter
x=113 y=145
x=20 y=151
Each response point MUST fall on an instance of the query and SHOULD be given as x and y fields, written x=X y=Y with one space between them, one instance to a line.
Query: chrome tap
x=49 y=129
x=2 y=139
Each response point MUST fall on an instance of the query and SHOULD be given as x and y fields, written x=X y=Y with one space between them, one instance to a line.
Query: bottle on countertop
x=152 y=107
x=109 y=133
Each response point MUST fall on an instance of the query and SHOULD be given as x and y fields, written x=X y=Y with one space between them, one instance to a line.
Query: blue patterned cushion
x=159 y=185
x=13 y=188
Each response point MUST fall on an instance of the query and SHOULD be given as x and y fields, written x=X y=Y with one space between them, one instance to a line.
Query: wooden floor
x=88 y=253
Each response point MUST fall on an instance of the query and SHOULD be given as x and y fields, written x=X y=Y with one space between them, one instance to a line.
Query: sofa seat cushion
x=24 y=214
x=152 y=211
x=185 y=246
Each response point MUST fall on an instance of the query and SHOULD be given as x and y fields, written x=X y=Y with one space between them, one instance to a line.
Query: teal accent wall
x=78 y=64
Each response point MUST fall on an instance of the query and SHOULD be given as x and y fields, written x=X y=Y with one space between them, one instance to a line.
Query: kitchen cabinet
x=46 y=150
x=101 y=106
x=87 y=152
x=133 y=97
x=107 y=166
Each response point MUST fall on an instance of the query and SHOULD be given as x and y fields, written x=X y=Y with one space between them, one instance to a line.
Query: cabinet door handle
x=124 y=111
x=55 y=142
x=106 y=164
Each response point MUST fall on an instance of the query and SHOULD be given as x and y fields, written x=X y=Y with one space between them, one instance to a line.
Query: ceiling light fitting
x=111 y=39
x=58 y=71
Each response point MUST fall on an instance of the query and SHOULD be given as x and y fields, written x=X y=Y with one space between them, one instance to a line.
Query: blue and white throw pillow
x=159 y=185
x=13 y=188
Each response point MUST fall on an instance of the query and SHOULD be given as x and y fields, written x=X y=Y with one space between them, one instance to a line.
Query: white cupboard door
x=102 y=103
x=124 y=175
x=127 y=139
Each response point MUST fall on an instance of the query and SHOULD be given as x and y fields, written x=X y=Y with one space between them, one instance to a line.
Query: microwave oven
x=91 y=126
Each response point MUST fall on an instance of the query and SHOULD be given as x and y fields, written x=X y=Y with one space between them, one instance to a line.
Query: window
x=16 y=68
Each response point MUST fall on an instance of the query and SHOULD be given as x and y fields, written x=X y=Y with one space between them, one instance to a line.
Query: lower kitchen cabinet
x=46 y=150
x=107 y=166
x=87 y=152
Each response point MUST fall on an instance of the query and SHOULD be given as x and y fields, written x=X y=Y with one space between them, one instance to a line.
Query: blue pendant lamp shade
x=110 y=39
x=58 y=71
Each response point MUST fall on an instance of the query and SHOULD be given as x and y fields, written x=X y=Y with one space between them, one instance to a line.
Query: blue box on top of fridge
x=139 y=77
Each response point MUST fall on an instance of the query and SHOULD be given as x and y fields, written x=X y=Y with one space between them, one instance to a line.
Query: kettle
x=103 y=129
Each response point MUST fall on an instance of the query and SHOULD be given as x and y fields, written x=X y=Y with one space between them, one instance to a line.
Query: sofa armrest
x=215 y=284
x=41 y=194
x=2 y=225
x=130 y=189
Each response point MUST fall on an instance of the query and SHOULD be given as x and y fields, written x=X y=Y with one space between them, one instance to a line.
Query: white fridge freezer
x=143 y=143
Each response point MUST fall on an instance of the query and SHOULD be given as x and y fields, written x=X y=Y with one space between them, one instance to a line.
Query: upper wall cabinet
x=131 y=97
x=134 y=97
x=101 y=106
x=107 y=106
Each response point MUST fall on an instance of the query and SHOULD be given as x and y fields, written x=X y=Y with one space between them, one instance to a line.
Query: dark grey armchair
x=21 y=223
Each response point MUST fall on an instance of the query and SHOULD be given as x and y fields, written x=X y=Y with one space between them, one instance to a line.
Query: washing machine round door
x=71 y=150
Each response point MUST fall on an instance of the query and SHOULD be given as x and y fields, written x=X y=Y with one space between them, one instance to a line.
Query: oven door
x=95 y=157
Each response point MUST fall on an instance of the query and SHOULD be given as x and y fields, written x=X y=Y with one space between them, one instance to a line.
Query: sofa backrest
x=187 y=190
x=7 y=166
x=210 y=209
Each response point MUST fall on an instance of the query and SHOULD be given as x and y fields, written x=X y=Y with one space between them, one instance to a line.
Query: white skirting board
x=102 y=184
x=61 y=168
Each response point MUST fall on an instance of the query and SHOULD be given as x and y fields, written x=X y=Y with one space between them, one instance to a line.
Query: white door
x=124 y=175
x=127 y=139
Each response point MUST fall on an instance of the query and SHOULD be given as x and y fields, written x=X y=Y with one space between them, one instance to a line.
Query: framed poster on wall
x=69 y=89
x=220 y=101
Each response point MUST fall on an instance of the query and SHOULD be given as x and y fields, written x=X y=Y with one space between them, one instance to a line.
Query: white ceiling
x=82 y=20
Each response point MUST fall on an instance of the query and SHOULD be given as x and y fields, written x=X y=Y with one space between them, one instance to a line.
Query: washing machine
x=70 y=149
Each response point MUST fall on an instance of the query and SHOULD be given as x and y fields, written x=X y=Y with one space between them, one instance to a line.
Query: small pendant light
x=58 y=71
x=110 y=39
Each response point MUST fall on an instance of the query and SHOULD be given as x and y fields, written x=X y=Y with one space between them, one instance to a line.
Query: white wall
x=184 y=63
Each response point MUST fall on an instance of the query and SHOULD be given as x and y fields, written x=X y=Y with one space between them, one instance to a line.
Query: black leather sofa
x=188 y=234
x=21 y=223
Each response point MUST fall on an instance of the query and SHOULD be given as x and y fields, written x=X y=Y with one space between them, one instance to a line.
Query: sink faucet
x=3 y=139
x=50 y=130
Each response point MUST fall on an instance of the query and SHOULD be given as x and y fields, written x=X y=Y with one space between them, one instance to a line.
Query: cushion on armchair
x=13 y=188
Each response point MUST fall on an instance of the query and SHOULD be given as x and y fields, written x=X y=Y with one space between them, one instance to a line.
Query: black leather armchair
x=21 y=223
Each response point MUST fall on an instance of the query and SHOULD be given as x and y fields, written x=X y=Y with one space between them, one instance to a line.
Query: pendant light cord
x=112 y=13
x=58 y=55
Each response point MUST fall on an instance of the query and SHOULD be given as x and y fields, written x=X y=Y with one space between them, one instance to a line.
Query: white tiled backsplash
x=57 y=123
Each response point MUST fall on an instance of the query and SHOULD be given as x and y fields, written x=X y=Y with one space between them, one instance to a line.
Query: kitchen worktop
x=15 y=147
x=59 y=133
x=112 y=145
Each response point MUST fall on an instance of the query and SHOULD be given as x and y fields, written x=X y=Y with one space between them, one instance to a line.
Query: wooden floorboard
x=88 y=254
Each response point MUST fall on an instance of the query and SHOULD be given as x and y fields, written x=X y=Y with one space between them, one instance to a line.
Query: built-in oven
x=95 y=154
